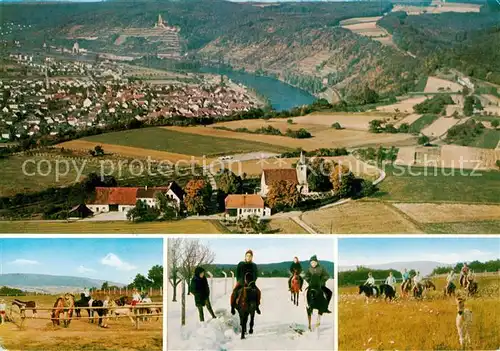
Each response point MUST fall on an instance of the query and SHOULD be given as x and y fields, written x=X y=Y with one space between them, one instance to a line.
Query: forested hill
x=280 y=269
x=468 y=42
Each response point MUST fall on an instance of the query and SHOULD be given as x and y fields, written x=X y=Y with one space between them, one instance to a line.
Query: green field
x=468 y=187
x=190 y=226
x=488 y=139
x=480 y=227
x=422 y=122
x=182 y=143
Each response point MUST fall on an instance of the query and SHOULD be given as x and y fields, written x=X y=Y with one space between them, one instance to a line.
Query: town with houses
x=59 y=95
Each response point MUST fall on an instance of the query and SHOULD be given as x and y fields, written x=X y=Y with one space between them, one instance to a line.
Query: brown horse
x=295 y=289
x=449 y=290
x=471 y=287
x=406 y=288
x=246 y=305
x=64 y=306
x=428 y=285
x=25 y=304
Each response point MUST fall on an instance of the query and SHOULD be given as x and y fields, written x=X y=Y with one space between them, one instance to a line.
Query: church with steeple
x=297 y=176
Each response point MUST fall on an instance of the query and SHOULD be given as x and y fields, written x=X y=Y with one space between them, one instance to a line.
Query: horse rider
x=391 y=281
x=406 y=279
x=245 y=267
x=463 y=274
x=295 y=267
x=449 y=279
x=370 y=281
x=136 y=297
x=319 y=271
x=146 y=299
x=86 y=293
x=199 y=288
x=3 y=308
x=417 y=281
x=470 y=278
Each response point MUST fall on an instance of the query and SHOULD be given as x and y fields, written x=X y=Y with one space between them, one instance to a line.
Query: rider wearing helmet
x=318 y=271
x=295 y=267
x=245 y=267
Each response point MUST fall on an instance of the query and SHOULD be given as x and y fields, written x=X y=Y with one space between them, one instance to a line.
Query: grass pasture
x=408 y=324
x=442 y=213
x=175 y=141
x=422 y=122
x=188 y=226
x=488 y=139
x=476 y=227
x=418 y=184
x=39 y=334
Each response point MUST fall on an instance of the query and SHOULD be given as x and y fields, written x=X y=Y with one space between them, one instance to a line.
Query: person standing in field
x=295 y=267
x=199 y=288
x=391 y=281
x=318 y=271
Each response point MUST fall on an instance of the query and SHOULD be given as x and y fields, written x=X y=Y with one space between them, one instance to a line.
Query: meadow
x=163 y=139
x=409 y=324
x=40 y=334
x=488 y=139
x=439 y=185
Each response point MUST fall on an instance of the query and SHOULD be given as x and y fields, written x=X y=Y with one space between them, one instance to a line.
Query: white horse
x=114 y=311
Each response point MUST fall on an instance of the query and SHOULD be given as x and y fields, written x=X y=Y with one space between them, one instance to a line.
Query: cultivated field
x=439 y=213
x=479 y=227
x=409 y=324
x=188 y=226
x=436 y=85
x=410 y=119
x=405 y=105
x=170 y=140
x=356 y=121
x=439 y=127
x=325 y=137
x=366 y=26
x=359 y=217
x=416 y=184
x=40 y=335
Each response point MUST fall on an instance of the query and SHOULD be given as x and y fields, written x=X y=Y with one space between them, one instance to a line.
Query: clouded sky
x=361 y=251
x=113 y=259
x=269 y=250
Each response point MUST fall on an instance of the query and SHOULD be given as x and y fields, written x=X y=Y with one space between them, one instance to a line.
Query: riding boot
x=290 y=284
x=210 y=310
x=233 y=303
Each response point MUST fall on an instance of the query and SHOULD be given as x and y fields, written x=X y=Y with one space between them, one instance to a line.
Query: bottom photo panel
x=81 y=294
x=419 y=293
x=251 y=294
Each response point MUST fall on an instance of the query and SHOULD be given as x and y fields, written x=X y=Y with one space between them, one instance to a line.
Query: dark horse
x=295 y=289
x=428 y=284
x=83 y=303
x=25 y=304
x=388 y=291
x=369 y=291
x=63 y=305
x=449 y=290
x=101 y=312
x=471 y=288
x=246 y=305
x=316 y=300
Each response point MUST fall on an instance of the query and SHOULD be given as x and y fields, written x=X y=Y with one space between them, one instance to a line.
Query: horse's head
x=69 y=297
x=247 y=279
x=361 y=288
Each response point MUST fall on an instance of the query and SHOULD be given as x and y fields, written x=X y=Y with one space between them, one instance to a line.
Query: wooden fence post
x=136 y=319
x=161 y=291
x=225 y=282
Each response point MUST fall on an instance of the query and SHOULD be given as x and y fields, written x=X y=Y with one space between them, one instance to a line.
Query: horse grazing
x=84 y=302
x=295 y=289
x=64 y=306
x=25 y=304
x=369 y=291
x=388 y=292
x=449 y=290
x=246 y=305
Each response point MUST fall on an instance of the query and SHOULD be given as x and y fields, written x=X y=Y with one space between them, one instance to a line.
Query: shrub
x=337 y=125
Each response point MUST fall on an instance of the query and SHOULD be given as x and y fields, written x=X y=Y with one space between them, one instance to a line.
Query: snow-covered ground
x=281 y=326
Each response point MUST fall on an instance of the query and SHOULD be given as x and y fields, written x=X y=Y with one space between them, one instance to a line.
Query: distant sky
x=271 y=250
x=361 y=251
x=113 y=259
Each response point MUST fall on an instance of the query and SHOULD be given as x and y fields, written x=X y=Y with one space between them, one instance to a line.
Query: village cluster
x=59 y=96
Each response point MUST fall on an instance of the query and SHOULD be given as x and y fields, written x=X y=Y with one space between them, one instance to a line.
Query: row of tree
x=476 y=266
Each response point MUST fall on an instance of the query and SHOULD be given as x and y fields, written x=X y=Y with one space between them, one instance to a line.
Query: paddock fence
x=19 y=314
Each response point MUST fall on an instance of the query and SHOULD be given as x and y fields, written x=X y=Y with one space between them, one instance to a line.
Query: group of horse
x=65 y=306
x=246 y=302
x=417 y=290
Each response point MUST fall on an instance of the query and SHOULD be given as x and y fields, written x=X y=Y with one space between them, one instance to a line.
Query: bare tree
x=174 y=263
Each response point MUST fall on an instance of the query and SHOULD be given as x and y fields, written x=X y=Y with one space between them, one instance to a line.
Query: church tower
x=301 y=169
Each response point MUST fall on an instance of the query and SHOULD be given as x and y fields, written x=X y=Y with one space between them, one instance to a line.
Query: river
x=282 y=96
